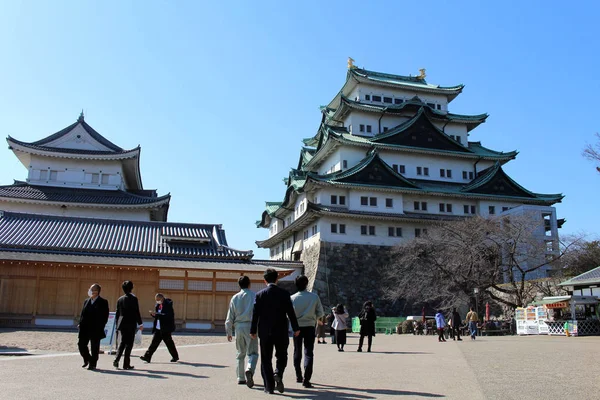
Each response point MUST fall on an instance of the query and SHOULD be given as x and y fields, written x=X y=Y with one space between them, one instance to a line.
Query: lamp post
x=476 y=292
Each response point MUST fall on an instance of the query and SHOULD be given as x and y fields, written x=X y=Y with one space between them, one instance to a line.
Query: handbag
x=138 y=338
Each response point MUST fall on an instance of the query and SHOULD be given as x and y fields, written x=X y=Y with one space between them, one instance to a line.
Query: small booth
x=577 y=314
x=531 y=320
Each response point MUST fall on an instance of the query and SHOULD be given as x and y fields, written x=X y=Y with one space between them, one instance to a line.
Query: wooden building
x=82 y=216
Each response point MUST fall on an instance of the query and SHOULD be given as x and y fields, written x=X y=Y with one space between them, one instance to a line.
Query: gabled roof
x=419 y=131
x=372 y=170
x=115 y=238
x=306 y=154
x=494 y=180
x=45 y=144
x=329 y=138
x=587 y=278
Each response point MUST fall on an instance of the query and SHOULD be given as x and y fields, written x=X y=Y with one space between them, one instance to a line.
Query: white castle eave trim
x=134 y=153
x=157 y=204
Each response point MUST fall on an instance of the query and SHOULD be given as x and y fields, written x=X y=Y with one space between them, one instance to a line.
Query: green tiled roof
x=587 y=278
x=400 y=80
x=272 y=206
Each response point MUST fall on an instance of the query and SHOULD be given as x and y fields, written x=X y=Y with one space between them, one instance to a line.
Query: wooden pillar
x=37 y=289
x=214 y=297
x=185 y=296
x=76 y=300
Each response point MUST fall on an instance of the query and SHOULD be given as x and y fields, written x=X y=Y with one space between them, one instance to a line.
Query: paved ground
x=407 y=366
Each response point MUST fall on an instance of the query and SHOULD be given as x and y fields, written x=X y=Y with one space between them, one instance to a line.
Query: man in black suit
x=92 y=321
x=128 y=321
x=272 y=308
x=164 y=325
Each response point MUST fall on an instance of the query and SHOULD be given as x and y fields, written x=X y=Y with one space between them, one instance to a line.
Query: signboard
x=560 y=304
x=109 y=330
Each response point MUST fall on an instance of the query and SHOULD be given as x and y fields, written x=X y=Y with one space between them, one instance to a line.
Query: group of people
x=456 y=324
x=94 y=316
x=265 y=315
x=268 y=314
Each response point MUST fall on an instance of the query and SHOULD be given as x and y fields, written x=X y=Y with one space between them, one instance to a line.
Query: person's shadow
x=341 y=392
x=201 y=364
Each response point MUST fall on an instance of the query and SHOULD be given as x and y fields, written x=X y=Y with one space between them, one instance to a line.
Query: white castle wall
x=68 y=211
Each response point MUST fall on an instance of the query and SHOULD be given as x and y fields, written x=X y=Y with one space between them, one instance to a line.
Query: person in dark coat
x=163 y=327
x=129 y=320
x=92 y=321
x=456 y=323
x=367 y=319
x=272 y=308
x=330 y=319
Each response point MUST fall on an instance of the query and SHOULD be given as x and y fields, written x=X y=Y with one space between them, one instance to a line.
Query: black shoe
x=269 y=391
x=116 y=364
x=91 y=368
x=307 y=385
x=144 y=358
x=241 y=382
x=359 y=350
x=128 y=367
x=460 y=340
x=299 y=380
x=249 y=379
x=85 y=364
x=278 y=383
x=368 y=350
x=174 y=359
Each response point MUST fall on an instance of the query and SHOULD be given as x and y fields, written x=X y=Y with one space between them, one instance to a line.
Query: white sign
x=109 y=330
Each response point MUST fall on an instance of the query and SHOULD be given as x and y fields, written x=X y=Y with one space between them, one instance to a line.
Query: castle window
x=362 y=127
x=492 y=210
x=471 y=175
x=395 y=167
x=385 y=128
x=368 y=128
x=334 y=199
x=371 y=230
x=465 y=175
x=364 y=201
x=439 y=107
x=417 y=232
x=472 y=209
x=449 y=173
x=505 y=209
x=419 y=171
x=417 y=205
x=53 y=175
x=95 y=178
x=44 y=175
x=305 y=235
x=442 y=173
x=387 y=100
x=389 y=203
x=402 y=169
x=425 y=171
x=432 y=105
x=105 y=179
x=458 y=139
x=314 y=230
x=449 y=208
x=344 y=164
x=423 y=206
x=373 y=201
x=342 y=200
x=342 y=228
x=397 y=101
x=334 y=228
x=394 y=231
x=377 y=98
x=363 y=229
x=442 y=207
x=368 y=97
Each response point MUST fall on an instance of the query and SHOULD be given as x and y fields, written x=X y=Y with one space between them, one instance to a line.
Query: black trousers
x=441 y=335
x=306 y=336
x=160 y=336
x=83 y=349
x=267 y=344
x=362 y=339
x=126 y=345
x=456 y=332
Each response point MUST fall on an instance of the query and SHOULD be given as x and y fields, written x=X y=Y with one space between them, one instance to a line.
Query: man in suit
x=164 y=325
x=92 y=321
x=128 y=321
x=272 y=308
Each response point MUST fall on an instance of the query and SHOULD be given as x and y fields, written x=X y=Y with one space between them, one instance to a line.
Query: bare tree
x=497 y=256
x=592 y=152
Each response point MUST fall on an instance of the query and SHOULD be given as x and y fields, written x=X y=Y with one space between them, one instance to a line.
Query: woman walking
x=339 y=324
x=367 y=319
x=440 y=322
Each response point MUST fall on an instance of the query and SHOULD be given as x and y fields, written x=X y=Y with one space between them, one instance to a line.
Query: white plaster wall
x=355 y=195
x=72 y=173
x=362 y=89
x=358 y=117
x=78 y=138
x=353 y=231
x=134 y=215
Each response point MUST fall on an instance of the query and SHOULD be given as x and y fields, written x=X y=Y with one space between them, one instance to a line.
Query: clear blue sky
x=220 y=95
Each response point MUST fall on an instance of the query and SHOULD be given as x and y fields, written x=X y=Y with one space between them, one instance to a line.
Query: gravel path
x=52 y=341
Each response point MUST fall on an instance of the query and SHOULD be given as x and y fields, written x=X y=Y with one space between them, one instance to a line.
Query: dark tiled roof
x=25 y=191
x=90 y=236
